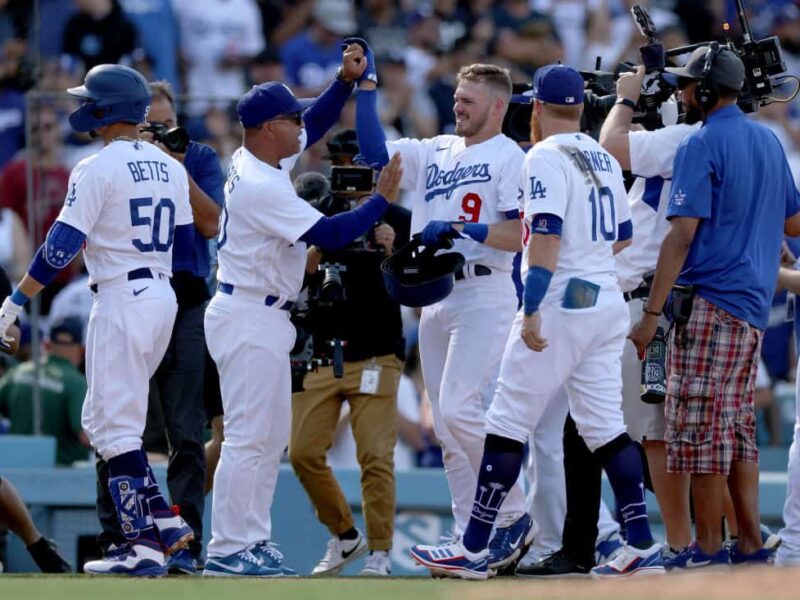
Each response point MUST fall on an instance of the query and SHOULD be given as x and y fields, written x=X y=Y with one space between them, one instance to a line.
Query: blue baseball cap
x=68 y=330
x=558 y=84
x=268 y=100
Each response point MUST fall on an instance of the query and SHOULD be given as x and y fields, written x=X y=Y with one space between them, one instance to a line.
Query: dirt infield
x=754 y=583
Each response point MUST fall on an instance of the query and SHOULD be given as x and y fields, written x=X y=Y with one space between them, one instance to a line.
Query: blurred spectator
x=702 y=18
x=421 y=52
x=266 y=66
x=410 y=112
x=525 y=37
x=218 y=38
x=158 y=37
x=15 y=246
x=452 y=22
x=99 y=32
x=383 y=24
x=53 y=17
x=12 y=101
x=15 y=19
x=569 y=18
x=283 y=19
x=313 y=56
x=63 y=388
x=50 y=177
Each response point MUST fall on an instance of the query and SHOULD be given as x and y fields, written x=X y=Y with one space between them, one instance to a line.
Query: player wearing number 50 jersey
x=465 y=186
x=570 y=331
x=128 y=206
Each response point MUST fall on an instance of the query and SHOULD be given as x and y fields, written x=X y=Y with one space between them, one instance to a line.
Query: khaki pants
x=315 y=413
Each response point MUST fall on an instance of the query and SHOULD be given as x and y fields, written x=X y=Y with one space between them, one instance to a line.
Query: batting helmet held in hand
x=111 y=94
x=416 y=276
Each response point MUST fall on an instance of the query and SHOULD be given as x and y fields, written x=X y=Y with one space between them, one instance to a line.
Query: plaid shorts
x=712 y=379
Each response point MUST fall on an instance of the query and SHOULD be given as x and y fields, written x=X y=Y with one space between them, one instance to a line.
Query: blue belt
x=143 y=273
x=227 y=288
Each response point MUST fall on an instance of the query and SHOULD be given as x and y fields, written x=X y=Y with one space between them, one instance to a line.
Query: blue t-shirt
x=308 y=64
x=732 y=174
x=158 y=35
x=12 y=124
x=203 y=166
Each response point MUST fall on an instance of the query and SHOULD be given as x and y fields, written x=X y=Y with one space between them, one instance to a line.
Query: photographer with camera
x=731 y=201
x=349 y=305
x=178 y=383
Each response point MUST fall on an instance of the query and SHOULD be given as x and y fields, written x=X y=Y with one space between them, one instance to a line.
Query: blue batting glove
x=436 y=231
x=370 y=73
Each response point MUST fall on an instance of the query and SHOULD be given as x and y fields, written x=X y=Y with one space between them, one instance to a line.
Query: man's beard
x=536 y=129
x=473 y=126
x=694 y=114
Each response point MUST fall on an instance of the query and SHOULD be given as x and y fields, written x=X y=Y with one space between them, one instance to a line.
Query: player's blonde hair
x=498 y=78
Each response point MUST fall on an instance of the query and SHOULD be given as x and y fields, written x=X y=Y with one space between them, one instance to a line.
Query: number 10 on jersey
x=605 y=227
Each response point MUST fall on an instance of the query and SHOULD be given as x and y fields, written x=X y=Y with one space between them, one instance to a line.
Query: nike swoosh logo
x=519 y=539
x=347 y=554
x=440 y=148
x=692 y=563
x=137 y=292
x=239 y=568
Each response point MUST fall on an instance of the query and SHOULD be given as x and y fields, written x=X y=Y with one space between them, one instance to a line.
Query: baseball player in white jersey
x=465 y=186
x=265 y=228
x=569 y=332
x=649 y=156
x=128 y=205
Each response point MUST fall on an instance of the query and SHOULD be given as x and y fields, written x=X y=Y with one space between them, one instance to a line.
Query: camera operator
x=178 y=382
x=368 y=321
x=732 y=198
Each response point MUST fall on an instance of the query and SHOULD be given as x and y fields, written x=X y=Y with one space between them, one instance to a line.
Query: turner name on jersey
x=127 y=199
x=450 y=181
x=572 y=177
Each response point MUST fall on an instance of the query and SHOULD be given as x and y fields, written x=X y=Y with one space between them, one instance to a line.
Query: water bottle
x=654 y=370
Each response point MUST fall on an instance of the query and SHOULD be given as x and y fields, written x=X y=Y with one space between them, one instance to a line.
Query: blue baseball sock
x=158 y=504
x=127 y=481
x=624 y=470
x=502 y=460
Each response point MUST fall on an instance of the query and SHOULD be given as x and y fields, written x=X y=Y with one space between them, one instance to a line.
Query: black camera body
x=352 y=179
x=175 y=139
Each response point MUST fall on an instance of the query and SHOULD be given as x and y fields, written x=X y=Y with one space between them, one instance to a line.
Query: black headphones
x=707 y=91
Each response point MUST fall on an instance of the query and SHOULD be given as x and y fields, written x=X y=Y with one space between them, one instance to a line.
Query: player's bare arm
x=614 y=134
x=789 y=279
x=791 y=226
x=542 y=257
x=674 y=251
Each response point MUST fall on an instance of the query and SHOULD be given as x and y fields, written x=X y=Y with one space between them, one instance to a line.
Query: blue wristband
x=19 y=298
x=477 y=231
x=536 y=283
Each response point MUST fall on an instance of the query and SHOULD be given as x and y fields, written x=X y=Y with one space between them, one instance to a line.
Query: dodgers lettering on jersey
x=127 y=199
x=451 y=181
x=260 y=226
x=572 y=177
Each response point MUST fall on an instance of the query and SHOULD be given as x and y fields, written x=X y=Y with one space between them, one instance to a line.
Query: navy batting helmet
x=416 y=276
x=111 y=94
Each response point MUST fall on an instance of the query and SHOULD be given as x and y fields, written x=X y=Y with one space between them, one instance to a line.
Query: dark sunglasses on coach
x=296 y=118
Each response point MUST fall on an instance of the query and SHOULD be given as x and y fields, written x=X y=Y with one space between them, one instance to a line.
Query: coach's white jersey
x=260 y=225
x=652 y=154
x=571 y=176
x=450 y=181
x=127 y=200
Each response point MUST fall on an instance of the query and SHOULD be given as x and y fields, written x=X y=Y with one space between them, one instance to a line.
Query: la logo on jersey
x=72 y=196
x=679 y=198
x=538 y=191
x=440 y=182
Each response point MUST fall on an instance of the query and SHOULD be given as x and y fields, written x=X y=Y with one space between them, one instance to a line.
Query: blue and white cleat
x=135 y=560
x=510 y=543
x=452 y=559
x=182 y=563
x=632 y=562
x=608 y=548
x=174 y=533
x=258 y=560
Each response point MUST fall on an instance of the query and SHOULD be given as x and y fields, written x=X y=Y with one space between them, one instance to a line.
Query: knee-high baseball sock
x=623 y=465
x=128 y=482
x=502 y=460
x=158 y=504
